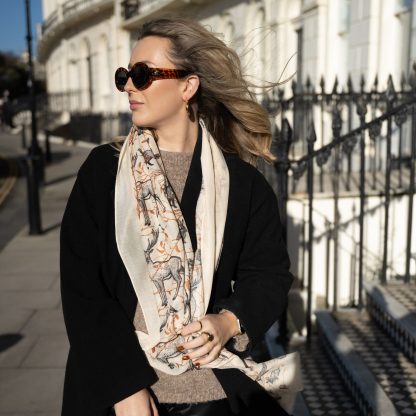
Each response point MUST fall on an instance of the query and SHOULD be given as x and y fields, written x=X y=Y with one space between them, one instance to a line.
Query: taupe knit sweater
x=196 y=385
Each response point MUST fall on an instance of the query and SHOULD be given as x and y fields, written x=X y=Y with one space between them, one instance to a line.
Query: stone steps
x=367 y=393
x=324 y=392
x=373 y=354
x=393 y=307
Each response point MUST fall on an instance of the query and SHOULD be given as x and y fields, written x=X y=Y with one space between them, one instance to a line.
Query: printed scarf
x=172 y=282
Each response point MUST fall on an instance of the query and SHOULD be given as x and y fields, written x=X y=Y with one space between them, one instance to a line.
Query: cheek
x=162 y=98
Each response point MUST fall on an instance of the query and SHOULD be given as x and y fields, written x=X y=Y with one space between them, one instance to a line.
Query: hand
x=138 y=404
x=222 y=326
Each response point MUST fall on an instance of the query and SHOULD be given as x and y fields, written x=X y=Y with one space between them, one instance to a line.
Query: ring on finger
x=210 y=336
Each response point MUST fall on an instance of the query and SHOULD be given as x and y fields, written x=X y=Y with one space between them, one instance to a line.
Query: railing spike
x=322 y=84
x=350 y=84
x=375 y=84
x=390 y=91
x=335 y=87
x=362 y=83
x=308 y=83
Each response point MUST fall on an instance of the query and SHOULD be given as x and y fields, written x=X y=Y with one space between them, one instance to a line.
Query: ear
x=190 y=87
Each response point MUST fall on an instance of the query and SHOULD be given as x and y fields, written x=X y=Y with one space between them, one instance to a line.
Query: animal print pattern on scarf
x=176 y=271
x=173 y=267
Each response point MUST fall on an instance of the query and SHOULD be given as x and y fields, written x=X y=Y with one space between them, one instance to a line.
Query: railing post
x=321 y=168
x=375 y=101
x=311 y=139
x=350 y=113
x=327 y=261
x=336 y=130
x=284 y=139
x=390 y=95
x=361 y=111
x=411 y=195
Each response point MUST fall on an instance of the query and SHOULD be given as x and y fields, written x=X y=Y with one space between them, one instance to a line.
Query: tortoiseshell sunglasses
x=142 y=76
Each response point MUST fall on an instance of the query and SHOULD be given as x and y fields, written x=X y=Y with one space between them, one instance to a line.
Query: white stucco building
x=82 y=42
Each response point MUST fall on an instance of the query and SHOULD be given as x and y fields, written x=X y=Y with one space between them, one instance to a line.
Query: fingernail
x=180 y=348
x=197 y=365
x=185 y=357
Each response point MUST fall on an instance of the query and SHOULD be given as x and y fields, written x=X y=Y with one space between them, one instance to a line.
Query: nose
x=129 y=85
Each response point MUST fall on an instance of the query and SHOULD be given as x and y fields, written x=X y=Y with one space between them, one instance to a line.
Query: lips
x=134 y=104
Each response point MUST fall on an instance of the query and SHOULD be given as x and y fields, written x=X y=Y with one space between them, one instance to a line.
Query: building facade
x=82 y=43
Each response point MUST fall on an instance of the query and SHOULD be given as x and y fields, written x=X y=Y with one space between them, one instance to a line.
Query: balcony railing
x=131 y=8
x=50 y=22
x=65 y=10
x=73 y=6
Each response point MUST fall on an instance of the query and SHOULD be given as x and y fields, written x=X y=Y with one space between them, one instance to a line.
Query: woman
x=173 y=264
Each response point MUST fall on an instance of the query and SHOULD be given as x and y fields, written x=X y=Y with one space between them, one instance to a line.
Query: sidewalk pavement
x=33 y=340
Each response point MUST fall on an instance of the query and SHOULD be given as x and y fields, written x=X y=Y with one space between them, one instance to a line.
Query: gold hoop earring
x=190 y=112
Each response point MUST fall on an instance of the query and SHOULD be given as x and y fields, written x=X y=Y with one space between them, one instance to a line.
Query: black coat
x=105 y=362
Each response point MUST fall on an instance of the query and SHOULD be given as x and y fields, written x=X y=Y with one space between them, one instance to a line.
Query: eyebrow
x=145 y=62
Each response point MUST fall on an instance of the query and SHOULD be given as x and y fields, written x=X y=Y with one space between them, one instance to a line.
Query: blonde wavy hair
x=234 y=118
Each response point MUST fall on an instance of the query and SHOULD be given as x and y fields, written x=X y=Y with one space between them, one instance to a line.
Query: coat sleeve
x=262 y=278
x=108 y=356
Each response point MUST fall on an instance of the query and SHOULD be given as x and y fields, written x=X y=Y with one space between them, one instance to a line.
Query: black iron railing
x=363 y=141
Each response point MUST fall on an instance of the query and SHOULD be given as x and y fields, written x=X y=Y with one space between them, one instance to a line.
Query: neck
x=178 y=137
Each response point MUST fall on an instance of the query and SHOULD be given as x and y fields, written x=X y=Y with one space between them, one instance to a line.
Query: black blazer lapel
x=192 y=189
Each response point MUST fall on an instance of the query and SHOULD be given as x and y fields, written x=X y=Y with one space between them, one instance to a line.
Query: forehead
x=153 y=50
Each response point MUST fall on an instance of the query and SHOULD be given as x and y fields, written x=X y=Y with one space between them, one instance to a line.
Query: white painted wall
x=348 y=243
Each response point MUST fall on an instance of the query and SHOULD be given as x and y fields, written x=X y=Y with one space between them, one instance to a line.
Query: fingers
x=200 y=352
x=200 y=349
x=195 y=343
x=212 y=355
x=192 y=327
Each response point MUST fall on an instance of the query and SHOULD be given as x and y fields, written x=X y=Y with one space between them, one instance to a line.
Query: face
x=164 y=99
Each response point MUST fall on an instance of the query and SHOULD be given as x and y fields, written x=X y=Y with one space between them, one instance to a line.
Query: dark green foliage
x=14 y=76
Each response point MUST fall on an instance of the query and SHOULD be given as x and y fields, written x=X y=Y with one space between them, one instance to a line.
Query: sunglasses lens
x=121 y=77
x=139 y=75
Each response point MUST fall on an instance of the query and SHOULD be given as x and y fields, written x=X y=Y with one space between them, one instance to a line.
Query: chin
x=141 y=121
